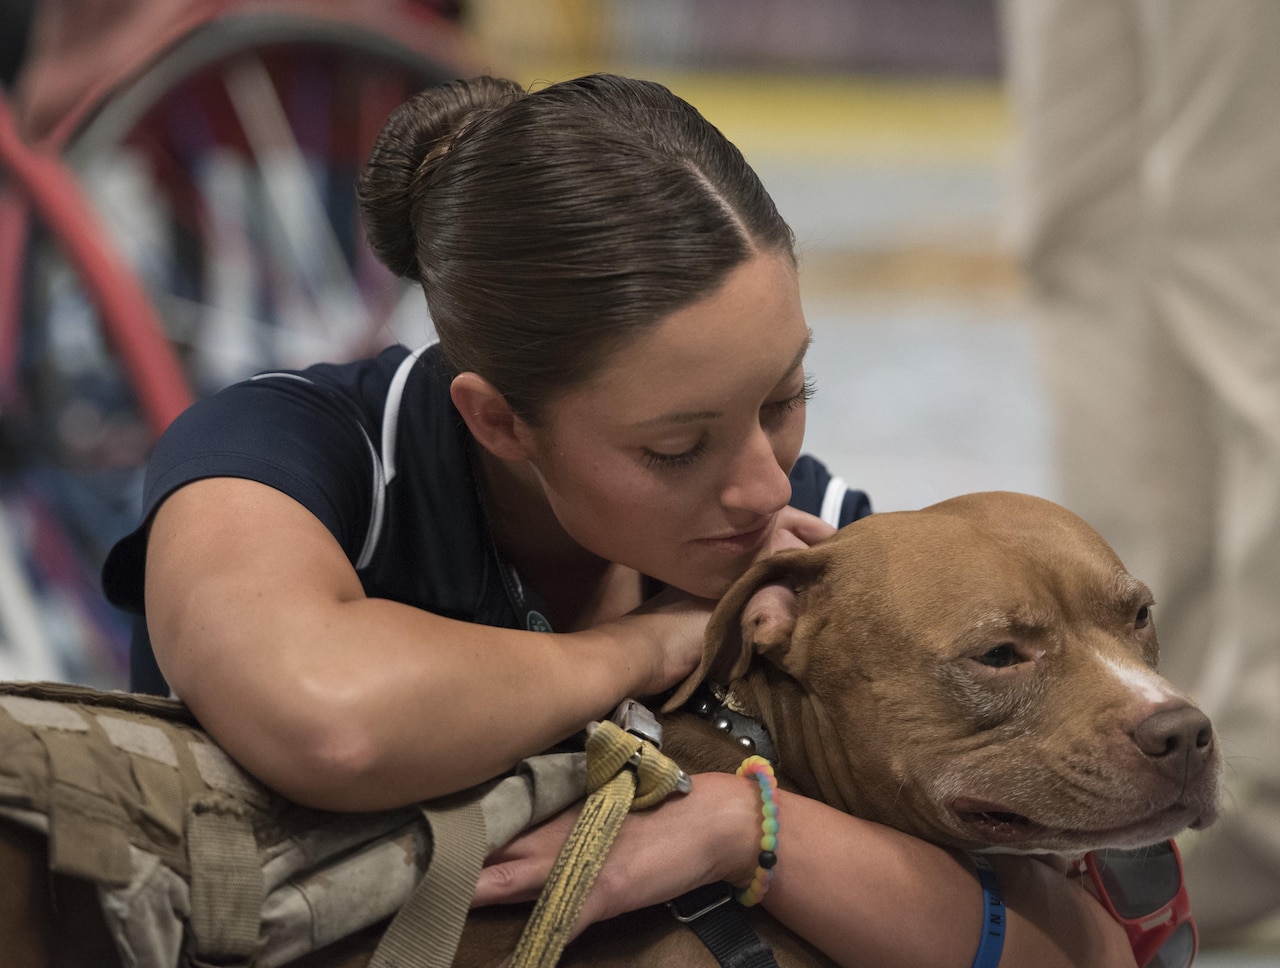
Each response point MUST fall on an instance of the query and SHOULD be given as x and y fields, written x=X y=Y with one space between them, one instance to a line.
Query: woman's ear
x=489 y=417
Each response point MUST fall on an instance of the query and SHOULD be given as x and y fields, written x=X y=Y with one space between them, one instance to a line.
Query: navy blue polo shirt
x=377 y=451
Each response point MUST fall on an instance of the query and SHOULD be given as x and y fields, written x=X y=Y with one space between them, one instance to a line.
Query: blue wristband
x=991 y=944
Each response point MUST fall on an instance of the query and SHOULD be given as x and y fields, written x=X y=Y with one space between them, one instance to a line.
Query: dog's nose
x=1179 y=740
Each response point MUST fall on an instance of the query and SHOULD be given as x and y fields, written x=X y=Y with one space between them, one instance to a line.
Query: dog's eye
x=1000 y=657
x=1143 y=618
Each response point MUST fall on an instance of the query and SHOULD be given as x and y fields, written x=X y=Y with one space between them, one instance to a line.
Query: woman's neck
x=577 y=588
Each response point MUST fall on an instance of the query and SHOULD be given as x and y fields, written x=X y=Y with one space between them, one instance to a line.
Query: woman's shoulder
x=368 y=375
x=352 y=397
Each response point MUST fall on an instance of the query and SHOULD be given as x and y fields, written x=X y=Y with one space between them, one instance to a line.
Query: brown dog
x=979 y=673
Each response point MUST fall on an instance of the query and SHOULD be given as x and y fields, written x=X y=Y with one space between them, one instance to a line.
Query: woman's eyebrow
x=682 y=417
x=693 y=416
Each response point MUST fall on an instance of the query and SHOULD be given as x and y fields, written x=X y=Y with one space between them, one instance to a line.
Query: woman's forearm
x=372 y=704
x=863 y=893
x=866 y=894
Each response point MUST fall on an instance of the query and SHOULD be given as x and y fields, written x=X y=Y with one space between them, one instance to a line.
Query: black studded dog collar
x=718 y=706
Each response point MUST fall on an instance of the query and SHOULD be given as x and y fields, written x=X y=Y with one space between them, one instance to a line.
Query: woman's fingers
x=709 y=834
x=517 y=871
x=682 y=622
x=798 y=529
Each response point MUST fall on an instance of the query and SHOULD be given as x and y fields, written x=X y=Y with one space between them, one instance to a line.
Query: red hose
x=131 y=322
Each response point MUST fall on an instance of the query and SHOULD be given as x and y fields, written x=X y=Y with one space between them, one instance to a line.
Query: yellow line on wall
x=839 y=118
x=852 y=119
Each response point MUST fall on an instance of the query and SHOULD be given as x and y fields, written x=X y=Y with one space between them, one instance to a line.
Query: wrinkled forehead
x=1021 y=517
x=1008 y=561
x=991 y=521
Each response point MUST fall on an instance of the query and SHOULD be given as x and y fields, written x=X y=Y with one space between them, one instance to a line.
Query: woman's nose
x=756 y=482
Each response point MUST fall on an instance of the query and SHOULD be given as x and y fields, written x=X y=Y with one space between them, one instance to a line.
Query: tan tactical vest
x=197 y=863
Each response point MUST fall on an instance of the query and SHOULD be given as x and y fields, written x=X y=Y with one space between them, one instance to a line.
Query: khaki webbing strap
x=87 y=827
x=623 y=773
x=574 y=871
x=425 y=932
x=226 y=882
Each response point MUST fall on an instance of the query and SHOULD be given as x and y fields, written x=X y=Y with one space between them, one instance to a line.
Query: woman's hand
x=677 y=635
x=714 y=830
x=796 y=529
x=675 y=623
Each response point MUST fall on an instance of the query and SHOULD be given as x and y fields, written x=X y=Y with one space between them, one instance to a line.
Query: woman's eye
x=794 y=401
x=654 y=458
x=1000 y=657
x=1143 y=618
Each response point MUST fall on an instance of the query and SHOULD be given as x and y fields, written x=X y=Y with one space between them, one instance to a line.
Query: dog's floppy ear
x=757 y=615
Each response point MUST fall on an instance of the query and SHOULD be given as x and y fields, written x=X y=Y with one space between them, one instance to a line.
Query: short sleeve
x=283 y=430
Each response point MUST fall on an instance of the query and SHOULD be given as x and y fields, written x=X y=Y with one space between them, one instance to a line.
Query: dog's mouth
x=993 y=823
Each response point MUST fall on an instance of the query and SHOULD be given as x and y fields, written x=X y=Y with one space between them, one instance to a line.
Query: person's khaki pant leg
x=1149 y=217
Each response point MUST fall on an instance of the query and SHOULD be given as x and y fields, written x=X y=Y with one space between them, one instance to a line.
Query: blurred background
x=177 y=212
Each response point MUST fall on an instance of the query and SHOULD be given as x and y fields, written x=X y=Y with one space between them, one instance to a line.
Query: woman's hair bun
x=415 y=138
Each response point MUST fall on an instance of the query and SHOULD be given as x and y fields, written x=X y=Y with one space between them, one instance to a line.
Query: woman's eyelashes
x=770 y=413
x=653 y=458
x=775 y=413
x=798 y=399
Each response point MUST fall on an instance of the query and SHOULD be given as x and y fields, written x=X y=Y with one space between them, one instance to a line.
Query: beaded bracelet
x=762 y=771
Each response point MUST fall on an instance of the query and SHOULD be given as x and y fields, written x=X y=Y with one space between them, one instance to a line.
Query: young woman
x=381 y=582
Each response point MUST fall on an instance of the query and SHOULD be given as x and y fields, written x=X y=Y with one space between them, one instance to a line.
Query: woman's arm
x=861 y=892
x=867 y=894
x=260 y=624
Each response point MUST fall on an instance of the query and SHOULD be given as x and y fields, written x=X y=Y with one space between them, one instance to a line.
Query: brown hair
x=546 y=228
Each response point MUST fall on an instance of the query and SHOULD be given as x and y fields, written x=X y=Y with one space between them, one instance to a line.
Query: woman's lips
x=739 y=543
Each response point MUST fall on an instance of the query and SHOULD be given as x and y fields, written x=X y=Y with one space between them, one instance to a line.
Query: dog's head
x=980 y=673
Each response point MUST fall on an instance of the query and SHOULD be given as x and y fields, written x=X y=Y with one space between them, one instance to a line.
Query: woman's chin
x=702 y=585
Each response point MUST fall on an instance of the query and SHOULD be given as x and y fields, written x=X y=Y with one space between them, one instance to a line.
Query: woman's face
x=674 y=458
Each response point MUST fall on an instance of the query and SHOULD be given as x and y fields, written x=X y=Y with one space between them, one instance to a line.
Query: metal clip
x=673 y=907
x=636 y=719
